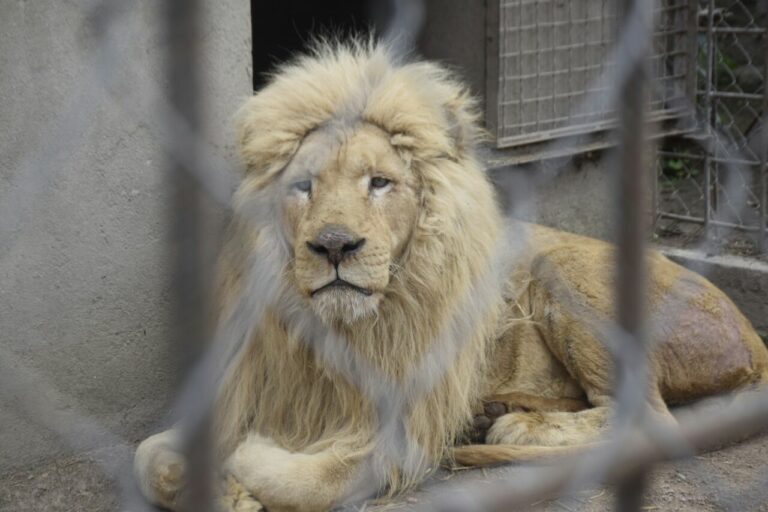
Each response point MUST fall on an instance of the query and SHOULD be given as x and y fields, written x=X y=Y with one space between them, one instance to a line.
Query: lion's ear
x=454 y=125
x=264 y=143
x=462 y=121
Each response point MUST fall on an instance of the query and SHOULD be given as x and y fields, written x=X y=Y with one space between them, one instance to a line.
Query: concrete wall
x=84 y=281
x=575 y=196
x=454 y=34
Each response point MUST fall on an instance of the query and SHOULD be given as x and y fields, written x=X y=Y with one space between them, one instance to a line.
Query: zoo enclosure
x=623 y=463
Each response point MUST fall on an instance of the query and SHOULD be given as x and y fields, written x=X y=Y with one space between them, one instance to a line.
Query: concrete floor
x=732 y=479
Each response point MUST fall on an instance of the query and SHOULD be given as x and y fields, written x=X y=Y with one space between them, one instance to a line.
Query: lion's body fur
x=532 y=336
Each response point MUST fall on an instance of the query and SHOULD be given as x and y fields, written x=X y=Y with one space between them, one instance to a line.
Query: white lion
x=364 y=206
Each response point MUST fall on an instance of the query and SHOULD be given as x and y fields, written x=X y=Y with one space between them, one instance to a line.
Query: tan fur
x=296 y=427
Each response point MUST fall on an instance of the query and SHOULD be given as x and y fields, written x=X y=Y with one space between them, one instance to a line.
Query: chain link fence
x=716 y=177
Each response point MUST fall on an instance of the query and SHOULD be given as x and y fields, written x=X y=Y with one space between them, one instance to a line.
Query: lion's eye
x=379 y=182
x=304 y=186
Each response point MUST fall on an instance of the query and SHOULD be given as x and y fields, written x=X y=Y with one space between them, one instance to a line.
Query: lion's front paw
x=236 y=498
x=160 y=470
x=167 y=478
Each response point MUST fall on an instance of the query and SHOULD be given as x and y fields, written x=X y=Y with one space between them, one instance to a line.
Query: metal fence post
x=762 y=238
x=631 y=226
x=182 y=18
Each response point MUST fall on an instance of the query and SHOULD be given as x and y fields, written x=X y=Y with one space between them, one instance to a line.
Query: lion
x=392 y=317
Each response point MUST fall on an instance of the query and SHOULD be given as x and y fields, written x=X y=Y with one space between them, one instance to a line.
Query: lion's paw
x=170 y=471
x=236 y=498
x=518 y=428
x=160 y=471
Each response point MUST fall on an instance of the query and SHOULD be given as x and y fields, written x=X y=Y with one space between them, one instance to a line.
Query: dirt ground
x=732 y=479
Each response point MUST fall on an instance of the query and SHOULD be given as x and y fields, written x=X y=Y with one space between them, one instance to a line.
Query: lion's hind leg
x=525 y=402
x=564 y=422
x=553 y=428
x=536 y=436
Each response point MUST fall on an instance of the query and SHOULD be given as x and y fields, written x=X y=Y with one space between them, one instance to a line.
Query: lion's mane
x=281 y=386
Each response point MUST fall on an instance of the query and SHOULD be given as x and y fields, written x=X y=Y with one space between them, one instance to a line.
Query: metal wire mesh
x=693 y=199
x=552 y=53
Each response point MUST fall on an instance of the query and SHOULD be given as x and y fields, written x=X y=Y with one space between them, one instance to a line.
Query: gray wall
x=84 y=281
x=575 y=196
x=454 y=34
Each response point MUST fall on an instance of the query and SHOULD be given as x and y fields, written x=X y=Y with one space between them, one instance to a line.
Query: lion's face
x=350 y=206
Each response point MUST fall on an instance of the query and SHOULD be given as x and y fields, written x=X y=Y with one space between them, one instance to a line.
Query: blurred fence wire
x=714 y=176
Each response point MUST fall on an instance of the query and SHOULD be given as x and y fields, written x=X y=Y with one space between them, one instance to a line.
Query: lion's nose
x=336 y=242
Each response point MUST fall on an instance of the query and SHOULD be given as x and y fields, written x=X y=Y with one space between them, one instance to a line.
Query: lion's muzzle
x=335 y=242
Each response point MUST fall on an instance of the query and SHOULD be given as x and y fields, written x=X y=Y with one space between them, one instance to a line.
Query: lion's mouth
x=340 y=283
